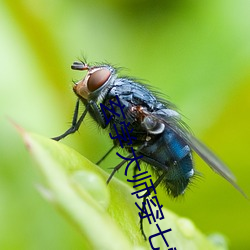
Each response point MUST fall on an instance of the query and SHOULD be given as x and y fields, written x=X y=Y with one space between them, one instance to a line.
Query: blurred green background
x=196 y=52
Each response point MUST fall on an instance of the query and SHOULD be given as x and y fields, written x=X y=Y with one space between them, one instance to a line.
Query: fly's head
x=93 y=84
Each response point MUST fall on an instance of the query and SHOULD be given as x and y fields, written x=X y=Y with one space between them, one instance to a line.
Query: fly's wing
x=174 y=123
x=212 y=160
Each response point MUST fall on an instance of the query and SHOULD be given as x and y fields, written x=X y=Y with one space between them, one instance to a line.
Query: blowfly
x=162 y=137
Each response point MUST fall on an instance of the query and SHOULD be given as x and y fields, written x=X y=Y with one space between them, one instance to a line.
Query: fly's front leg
x=75 y=124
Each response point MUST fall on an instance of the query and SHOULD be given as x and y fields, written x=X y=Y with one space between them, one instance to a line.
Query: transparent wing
x=175 y=124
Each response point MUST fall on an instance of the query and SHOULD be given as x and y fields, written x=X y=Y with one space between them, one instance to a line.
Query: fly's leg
x=116 y=168
x=157 y=182
x=110 y=150
x=75 y=124
x=122 y=163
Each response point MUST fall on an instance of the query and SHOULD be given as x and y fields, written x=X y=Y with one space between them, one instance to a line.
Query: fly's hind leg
x=157 y=182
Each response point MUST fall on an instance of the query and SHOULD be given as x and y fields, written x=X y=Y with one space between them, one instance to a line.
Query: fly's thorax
x=95 y=84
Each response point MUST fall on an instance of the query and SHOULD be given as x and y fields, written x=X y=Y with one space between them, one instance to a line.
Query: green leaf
x=105 y=215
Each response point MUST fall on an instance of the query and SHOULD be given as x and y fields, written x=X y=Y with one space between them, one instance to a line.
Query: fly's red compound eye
x=97 y=79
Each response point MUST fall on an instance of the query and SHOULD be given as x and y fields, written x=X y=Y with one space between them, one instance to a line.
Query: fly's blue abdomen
x=171 y=155
x=178 y=176
x=178 y=149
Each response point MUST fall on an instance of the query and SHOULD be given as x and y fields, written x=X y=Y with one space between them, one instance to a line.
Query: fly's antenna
x=80 y=66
